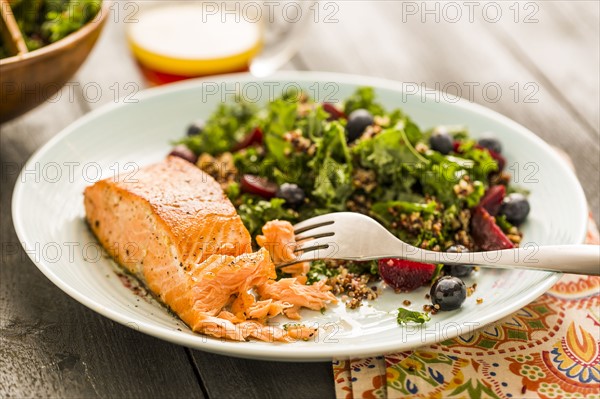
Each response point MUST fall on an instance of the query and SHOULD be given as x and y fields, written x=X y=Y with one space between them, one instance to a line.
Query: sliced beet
x=492 y=199
x=254 y=137
x=486 y=233
x=405 y=275
x=456 y=146
x=258 y=185
x=333 y=111
x=182 y=151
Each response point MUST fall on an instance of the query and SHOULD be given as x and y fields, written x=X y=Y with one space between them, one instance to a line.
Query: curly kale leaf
x=228 y=125
x=332 y=167
x=255 y=214
x=406 y=316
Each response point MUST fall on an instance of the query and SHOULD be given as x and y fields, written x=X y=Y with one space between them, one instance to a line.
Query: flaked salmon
x=172 y=226
x=279 y=239
x=295 y=292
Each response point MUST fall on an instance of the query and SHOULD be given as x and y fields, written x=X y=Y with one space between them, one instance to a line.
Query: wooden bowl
x=29 y=79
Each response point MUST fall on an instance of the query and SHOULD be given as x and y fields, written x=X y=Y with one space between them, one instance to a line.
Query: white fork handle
x=576 y=259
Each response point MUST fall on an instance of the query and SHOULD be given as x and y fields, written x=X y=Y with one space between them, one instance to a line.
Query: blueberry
x=196 y=128
x=358 y=121
x=441 y=141
x=448 y=293
x=291 y=193
x=491 y=143
x=515 y=207
x=457 y=270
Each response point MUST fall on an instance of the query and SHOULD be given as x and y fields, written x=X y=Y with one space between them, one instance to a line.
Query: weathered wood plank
x=559 y=42
x=260 y=379
x=451 y=56
x=50 y=345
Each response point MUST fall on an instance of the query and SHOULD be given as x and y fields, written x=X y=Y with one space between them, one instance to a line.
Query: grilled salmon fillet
x=171 y=225
x=169 y=212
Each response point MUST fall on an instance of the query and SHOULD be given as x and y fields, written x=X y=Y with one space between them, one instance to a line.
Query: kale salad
x=42 y=22
x=294 y=158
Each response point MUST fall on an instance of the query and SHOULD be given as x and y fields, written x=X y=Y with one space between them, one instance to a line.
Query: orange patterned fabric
x=548 y=349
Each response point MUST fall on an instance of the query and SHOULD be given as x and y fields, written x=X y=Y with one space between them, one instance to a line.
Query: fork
x=354 y=236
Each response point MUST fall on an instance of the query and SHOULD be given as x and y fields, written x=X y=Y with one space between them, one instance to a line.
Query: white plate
x=48 y=214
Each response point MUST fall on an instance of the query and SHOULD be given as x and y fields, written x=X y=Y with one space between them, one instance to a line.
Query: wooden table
x=544 y=59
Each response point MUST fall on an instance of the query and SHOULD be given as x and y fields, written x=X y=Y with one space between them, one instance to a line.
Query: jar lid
x=186 y=40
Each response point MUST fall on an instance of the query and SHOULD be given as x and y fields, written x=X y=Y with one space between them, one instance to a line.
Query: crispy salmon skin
x=171 y=225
